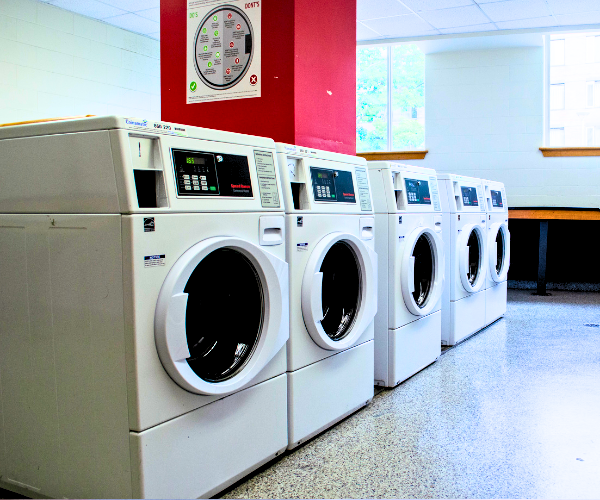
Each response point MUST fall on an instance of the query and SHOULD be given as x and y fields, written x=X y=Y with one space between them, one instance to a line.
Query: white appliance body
x=408 y=242
x=143 y=318
x=463 y=299
x=498 y=237
x=333 y=287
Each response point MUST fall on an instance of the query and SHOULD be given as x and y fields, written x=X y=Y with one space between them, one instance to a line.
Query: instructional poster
x=223 y=50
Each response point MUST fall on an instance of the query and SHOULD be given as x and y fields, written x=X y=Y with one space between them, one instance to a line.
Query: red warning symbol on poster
x=228 y=71
x=229 y=16
x=253 y=80
x=238 y=26
x=237 y=60
x=231 y=45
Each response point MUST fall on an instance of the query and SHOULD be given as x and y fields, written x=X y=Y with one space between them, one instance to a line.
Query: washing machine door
x=422 y=272
x=221 y=315
x=499 y=251
x=339 y=291
x=471 y=254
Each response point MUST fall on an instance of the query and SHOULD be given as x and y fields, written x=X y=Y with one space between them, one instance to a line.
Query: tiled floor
x=512 y=412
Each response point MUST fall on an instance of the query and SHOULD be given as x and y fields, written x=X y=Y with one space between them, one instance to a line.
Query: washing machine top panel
x=399 y=188
x=495 y=197
x=461 y=194
x=323 y=182
x=122 y=165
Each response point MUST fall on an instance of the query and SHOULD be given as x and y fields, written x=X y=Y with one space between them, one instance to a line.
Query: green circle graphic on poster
x=228 y=34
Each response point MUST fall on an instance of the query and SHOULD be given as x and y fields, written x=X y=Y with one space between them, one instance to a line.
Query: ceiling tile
x=152 y=14
x=421 y=5
x=469 y=29
x=375 y=9
x=537 y=22
x=401 y=26
x=515 y=9
x=573 y=6
x=90 y=8
x=364 y=33
x=458 y=16
x=135 y=23
x=133 y=5
x=583 y=18
x=488 y=1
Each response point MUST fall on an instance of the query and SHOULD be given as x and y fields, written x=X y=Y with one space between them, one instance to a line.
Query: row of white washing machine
x=180 y=305
x=444 y=251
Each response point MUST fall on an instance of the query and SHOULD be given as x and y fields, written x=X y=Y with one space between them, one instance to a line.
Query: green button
x=205 y=48
x=218 y=55
x=193 y=86
x=216 y=32
x=212 y=188
x=209 y=64
x=203 y=30
x=215 y=18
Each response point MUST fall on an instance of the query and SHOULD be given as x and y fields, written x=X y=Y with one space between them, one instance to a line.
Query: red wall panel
x=308 y=48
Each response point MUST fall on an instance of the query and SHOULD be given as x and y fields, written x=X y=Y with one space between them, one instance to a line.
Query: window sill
x=393 y=155
x=571 y=151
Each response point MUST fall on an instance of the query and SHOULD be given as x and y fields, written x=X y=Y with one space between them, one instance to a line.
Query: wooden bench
x=544 y=215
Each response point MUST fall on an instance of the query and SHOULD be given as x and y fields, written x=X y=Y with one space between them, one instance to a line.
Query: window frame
x=407 y=153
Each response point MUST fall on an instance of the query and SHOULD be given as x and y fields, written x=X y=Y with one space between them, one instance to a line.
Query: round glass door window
x=341 y=292
x=223 y=47
x=424 y=270
x=224 y=316
x=474 y=257
x=499 y=251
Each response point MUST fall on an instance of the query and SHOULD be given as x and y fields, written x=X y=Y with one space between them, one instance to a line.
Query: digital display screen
x=417 y=192
x=193 y=160
x=200 y=173
x=469 y=196
x=497 y=198
x=332 y=185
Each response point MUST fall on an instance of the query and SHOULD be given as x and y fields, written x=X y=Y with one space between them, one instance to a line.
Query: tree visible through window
x=390 y=104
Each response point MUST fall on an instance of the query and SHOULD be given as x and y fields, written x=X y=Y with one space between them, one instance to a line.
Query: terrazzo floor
x=512 y=412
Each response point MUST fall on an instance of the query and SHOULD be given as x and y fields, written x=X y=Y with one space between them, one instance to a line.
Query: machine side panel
x=380 y=202
x=68 y=173
x=449 y=255
x=62 y=355
x=381 y=318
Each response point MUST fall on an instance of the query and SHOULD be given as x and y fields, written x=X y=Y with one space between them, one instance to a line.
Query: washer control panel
x=469 y=196
x=496 y=199
x=417 y=192
x=200 y=173
x=332 y=185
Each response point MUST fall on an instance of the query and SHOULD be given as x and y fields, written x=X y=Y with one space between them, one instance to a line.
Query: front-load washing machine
x=464 y=232
x=333 y=287
x=410 y=250
x=144 y=309
x=498 y=250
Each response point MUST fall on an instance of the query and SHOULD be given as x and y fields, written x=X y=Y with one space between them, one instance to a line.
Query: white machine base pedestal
x=495 y=302
x=467 y=316
x=327 y=391
x=413 y=347
x=211 y=447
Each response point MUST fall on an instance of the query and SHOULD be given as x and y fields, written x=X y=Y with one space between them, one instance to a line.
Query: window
x=573 y=90
x=557 y=137
x=390 y=90
x=557 y=52
x=557 y=96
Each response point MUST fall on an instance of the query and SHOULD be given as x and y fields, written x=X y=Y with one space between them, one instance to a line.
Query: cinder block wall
x=484 y=117
x=56 y=63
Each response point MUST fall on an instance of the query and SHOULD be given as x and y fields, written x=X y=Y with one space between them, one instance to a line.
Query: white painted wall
x=56 y=63
x=484 y=118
